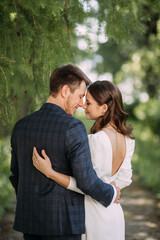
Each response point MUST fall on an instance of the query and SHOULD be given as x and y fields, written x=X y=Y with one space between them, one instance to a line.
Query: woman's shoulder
x=96 y=135
x=99 y=137
x=130 y=146
x=130 y=141
x=100 y=147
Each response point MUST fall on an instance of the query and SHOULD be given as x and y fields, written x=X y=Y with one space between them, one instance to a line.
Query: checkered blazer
x=44 y=207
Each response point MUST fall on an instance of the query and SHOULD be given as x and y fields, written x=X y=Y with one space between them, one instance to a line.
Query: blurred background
x=109 y=40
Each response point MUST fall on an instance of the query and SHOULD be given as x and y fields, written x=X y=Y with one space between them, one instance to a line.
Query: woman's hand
x=118 y=192
x=42 y=164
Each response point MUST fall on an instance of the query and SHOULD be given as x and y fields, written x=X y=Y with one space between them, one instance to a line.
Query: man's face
x=75 y=99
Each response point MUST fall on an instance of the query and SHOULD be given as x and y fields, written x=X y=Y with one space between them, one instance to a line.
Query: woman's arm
x=44 y=166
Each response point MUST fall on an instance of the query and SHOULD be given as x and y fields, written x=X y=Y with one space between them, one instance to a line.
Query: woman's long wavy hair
x=106 y=92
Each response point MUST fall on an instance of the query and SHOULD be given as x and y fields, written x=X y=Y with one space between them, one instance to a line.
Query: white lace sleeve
x=124 y=177
x=73 y=185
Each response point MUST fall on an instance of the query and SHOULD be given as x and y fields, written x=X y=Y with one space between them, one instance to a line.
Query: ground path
x=142 y=214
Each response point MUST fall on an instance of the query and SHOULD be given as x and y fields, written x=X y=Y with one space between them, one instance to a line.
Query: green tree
x=37 y=36
x=138 y=60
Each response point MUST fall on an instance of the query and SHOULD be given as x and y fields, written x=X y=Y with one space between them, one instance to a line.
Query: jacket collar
x=52 y=106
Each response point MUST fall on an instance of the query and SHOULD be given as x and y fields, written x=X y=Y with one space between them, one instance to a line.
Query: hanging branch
x=25 y=13
x=6 y=80
x=67 y=21
x=34 y=22
x=63 y=49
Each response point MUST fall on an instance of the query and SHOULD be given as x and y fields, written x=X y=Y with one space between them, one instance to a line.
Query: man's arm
x=78 y=153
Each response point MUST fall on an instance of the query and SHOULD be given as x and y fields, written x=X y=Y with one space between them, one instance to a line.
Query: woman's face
x=92 y=108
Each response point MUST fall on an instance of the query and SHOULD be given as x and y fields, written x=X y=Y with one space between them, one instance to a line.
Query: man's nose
x=81 y=103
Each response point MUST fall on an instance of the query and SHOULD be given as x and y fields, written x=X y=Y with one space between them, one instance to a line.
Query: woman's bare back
x=118 y=147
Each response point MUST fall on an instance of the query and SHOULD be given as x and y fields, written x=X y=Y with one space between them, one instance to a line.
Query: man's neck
x=57 y=101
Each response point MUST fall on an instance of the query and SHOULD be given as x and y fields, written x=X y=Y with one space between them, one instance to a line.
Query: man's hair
x=67 y=75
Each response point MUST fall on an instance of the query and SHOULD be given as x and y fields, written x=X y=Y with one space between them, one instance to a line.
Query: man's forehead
x=82 y=87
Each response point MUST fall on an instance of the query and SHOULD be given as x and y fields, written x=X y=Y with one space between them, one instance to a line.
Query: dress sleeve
x=125 y=173
x=73 y=185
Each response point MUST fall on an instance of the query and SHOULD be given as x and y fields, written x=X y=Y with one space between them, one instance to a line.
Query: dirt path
x=142 y=215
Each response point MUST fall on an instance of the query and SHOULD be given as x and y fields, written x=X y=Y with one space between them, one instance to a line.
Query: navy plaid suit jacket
x=44 y=207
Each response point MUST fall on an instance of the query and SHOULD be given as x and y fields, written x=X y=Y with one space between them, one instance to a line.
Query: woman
x=112 y=146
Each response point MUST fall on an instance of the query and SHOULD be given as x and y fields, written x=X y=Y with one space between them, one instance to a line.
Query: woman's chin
x=88 y=117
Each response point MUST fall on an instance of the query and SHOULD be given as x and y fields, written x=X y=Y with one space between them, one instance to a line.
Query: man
x=45 y=210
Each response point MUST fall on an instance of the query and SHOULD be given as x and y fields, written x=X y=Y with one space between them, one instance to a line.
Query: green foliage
x=147 y=132
x=143 y=69
x=139 y=60
x=146 y=157
x=36 y=37
x=123 y=18
x=6 y=190
x=149 y=115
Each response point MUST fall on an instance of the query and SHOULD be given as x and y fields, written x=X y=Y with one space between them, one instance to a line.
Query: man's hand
x=118 y=192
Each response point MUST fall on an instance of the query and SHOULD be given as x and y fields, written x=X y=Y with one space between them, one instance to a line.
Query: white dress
x=105 y=223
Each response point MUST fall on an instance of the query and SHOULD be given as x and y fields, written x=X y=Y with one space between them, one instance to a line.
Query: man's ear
x=65 y=90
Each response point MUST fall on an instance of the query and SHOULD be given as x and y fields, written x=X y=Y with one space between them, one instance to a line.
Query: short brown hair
x=67 y=75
